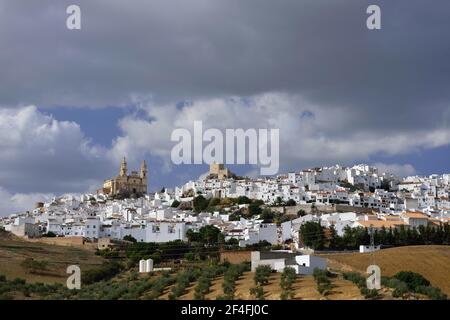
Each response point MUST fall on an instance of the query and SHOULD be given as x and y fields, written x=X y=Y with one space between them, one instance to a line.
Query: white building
x=368 y=249
x=261 y=232
x=278 y=260
x=156 y=232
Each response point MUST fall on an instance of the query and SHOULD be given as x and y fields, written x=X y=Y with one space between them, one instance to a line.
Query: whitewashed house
x=278 y=260
x=261 y=232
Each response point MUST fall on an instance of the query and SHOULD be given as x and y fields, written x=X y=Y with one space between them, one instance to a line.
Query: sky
x=73 y=103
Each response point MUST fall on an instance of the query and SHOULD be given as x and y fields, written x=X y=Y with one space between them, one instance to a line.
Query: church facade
x=126 y=184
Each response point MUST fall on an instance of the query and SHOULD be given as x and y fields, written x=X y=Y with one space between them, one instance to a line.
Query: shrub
x=322 y=280
x=107 y=253
x=107 y=271
x=254 y=209
x=312 y=235
x=360 y=281
x=189 y=256
x=432 y=292
x=18 y=281
x=287 y=280
x=356 y=278
x=291 y=203
x=412 y=279
x=286 y=295
x=214 y=202
x=202 y=288
x=200 y=203
x=133 y=276
x=412 y=282
x=204 y=281
x=115 y=291
x=369 y=293
x=262 y=274
x=6 y=296
x=130 y=238
x=257 y=292
x=49 y=235
x=229 y=289
x=182 y=281
x=301 y=213
x=34 y=266
x=400 y=288
x=175 y=204
x=229 y=280
x=159 y=285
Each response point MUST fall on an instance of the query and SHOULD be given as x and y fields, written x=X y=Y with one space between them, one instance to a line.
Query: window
x=155 y=228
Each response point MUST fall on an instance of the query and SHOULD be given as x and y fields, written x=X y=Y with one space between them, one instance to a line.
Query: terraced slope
x=304 y=287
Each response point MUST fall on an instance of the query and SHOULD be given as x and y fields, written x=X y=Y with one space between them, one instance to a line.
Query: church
x=126 y=185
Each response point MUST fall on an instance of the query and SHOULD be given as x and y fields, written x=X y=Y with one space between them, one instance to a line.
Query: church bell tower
x=123 y=168
x=144 y=170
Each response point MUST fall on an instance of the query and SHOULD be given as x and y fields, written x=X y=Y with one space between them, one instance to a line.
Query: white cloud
x=40 y=153
x=19 y=202
x=401 y=170
x=253 y=173
x=309 y=134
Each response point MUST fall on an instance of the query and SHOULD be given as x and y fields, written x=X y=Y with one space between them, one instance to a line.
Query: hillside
x=433 y=262
x=13 y=251
x=304 y=287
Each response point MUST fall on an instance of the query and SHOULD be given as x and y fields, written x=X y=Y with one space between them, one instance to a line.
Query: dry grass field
x=433 y=262
x=13 y=251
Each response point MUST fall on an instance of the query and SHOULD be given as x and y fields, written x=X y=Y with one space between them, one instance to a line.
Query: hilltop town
x=246 y=211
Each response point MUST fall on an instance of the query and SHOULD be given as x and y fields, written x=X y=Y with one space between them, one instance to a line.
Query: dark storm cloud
x=176 y=50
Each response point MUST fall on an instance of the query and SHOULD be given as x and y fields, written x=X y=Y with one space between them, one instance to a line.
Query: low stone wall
x=65 y=241
x=326 y=208
x=345 y=208
x=305 y=207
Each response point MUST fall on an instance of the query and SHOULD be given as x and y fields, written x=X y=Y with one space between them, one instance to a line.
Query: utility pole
x=374 y=280
x=372 y=245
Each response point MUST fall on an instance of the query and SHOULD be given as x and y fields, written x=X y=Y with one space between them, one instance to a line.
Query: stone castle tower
x=127 y=184
x=218 y=171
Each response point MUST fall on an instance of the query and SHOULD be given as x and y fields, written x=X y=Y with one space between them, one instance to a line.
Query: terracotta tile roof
x=436 y=222
x=377 y=224
x=392 y=218
x=415 y=215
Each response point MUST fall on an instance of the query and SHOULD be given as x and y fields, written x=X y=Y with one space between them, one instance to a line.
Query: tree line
x=314 y=236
